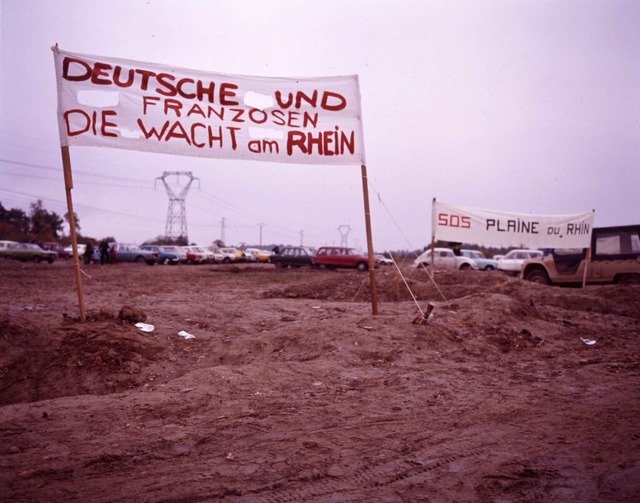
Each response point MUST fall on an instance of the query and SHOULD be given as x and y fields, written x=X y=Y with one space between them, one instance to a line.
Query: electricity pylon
x=344 y=231
x=176 y=226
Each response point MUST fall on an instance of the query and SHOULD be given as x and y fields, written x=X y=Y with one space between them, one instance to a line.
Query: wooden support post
x=587 y=258
x=372 y=260
x=433 y=253
x=433 y=235
x=68 y=185
x=587 y=263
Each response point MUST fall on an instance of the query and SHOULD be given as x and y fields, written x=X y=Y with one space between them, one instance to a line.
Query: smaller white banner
x=514 y=230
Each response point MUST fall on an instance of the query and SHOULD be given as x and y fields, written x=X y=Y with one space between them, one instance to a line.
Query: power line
x=75 y=171
x=77 y=206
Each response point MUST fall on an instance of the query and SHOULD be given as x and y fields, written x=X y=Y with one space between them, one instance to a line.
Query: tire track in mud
x=369 y=478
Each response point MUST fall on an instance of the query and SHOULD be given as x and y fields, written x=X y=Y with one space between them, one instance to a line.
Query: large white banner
x=514 y=230
x=126 y=104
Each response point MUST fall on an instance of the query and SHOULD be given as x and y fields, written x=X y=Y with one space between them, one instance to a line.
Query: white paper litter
x=186 y=335
x=588 y=342
x=145 y=327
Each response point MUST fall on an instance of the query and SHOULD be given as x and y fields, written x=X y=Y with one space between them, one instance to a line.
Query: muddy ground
x=291 y=390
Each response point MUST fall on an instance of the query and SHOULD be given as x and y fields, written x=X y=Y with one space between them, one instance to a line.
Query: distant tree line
x=166 y=241
x=37 y=226
x=40 y=225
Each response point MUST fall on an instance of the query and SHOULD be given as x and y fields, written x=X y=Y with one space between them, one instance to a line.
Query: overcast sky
x=522 y=106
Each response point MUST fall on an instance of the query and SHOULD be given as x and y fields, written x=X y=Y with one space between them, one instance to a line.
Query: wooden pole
x=372 y=261
x=587 y=261
x=433 y=236
x=433 y=253
x=587 y=258
x=68 y=185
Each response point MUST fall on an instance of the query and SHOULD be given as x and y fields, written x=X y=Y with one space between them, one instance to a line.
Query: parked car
x=615 y=258
x=293 y=256
x=178 y=251
x=513 y=261
x=444 y=258
x=249 y=255
x=260 y=255
x=215 y=252
x=129 y=252
x=68 y=250
x=341 y=257
x=483 y=263
x=383 y=260
x=167 y=255
x=28 y=252
x=210 y=257
x=54 y=247
x=5 y=245
x=232 y=254
x=196 y=254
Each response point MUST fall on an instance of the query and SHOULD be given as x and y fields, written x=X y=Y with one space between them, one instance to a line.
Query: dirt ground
x=292 y=391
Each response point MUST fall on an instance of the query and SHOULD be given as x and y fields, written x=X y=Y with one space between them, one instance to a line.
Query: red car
x=196 y=255
x=337 y=256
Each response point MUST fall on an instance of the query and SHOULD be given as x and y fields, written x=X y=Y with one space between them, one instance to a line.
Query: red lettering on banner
x=293 y=119
x=239 y=112
x=196 y=110
x=66 y=70
x=258 y=116
x=193 y=134
x=177 y=131
x=116 y=77
x=152 y=132
x=278 y=117
x=339 y=102
x=326 y=143
x=237 y=115
x=166 y=81
x=227 y=90
x=182 y=110
x=106 y=123
x=174 y=105
x=183 y=93
x=453 y=220
x=100 y=71
x=148 y=100
x=146 y=74
x=91 y=122
x=104 y=74
x=311 y=100
x=214 y=136
x=263 y=146
x=282 y=104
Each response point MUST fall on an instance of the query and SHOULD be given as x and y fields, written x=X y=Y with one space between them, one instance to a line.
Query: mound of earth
x=258 y=384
